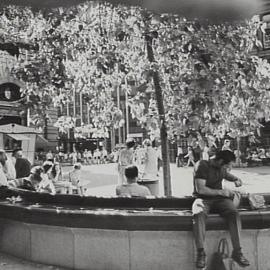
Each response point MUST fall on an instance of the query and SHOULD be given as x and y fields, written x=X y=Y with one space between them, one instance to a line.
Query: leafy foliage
x=211 y=79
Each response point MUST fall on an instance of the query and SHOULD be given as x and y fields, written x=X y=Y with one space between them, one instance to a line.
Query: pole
x=126 y=102
x=81 y=108
x=68 y=131
x=118 y=106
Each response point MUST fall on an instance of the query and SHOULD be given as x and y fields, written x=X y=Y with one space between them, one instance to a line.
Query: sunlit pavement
x=101 y=180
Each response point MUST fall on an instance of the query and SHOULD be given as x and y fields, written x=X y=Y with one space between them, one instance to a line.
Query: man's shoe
x=240 y=259
x=201 y=259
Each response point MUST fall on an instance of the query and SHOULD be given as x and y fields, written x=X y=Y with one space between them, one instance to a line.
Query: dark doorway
x=4 y=120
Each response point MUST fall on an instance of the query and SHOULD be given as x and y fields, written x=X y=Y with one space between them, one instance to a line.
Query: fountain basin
x=119 y=233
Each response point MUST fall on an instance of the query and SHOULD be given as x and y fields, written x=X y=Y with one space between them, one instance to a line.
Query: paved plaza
x=101 y=180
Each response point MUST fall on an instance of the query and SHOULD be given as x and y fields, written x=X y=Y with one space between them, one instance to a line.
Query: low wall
x=116 y=240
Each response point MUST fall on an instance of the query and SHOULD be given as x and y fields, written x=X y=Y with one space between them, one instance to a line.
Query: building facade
x=13 y=110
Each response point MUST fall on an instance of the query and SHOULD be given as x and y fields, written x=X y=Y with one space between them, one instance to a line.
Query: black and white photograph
x=134 y=134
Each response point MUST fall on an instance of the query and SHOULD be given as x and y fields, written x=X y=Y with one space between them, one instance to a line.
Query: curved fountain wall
x=111 y=233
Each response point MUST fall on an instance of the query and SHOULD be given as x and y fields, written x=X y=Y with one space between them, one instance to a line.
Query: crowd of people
x=200 y=150
x=17 y=171
x=86 y=157
x=146 y=158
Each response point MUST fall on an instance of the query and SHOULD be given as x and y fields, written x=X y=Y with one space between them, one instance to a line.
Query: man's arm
x=232 y=178
x=202 y=189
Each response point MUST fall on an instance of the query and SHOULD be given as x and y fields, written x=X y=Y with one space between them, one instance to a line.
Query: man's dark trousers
x=226 y=209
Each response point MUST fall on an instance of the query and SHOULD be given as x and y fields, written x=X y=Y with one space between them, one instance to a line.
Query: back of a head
x=77 y=166
x=226 y=155
x=3 y=157
x=47 y=165
x=131 y=172
x=36 y=174
x=130 y=142
x=17 y=153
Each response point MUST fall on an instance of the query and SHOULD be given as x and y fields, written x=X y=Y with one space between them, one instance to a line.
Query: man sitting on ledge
x=208 y=176
x=132 y=188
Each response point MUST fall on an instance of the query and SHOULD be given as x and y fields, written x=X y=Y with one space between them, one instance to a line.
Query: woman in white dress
x=126 y=157
x=205 y=153
x=150 y=174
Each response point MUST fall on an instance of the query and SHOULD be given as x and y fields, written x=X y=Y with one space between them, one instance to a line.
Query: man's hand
x=238 y=183
x=227 y=193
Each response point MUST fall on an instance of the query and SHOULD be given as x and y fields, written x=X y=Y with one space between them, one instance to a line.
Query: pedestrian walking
x=179 y=158
x=126 y=157
x=190 y=156
x=205 y=153
x=150 y=173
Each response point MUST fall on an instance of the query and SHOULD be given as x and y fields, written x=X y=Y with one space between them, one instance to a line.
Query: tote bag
x=221 y=259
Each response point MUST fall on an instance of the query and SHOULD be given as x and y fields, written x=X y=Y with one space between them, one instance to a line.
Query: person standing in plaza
x=205 y=153
x=22 y=165
x=74 y=157
x=140 y=159
x=104 y=155
x=150 y=173
x=7 y=166
x=197 y=151
x=84 y=154
x=60 y=184
x=49 y=156
x=179 y=158
x=126 y=157
x=190 y=156
x=3 y=176
x=74 y=177
x=226 y=145
x=210 y=196
x=89 y=157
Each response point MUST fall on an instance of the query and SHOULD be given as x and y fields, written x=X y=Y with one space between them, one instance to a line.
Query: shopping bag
x=256 y=201
x=221 y=259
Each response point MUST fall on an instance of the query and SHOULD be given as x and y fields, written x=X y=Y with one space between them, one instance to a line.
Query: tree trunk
x=238 y=151
x=163 y=127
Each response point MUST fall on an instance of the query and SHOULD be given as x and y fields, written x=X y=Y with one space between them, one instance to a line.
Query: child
x=75 y=178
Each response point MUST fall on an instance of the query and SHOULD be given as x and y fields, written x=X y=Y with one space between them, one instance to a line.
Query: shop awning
x=42 y=140
x=18 y=137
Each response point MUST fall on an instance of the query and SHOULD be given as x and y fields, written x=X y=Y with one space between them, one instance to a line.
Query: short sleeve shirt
x=132 y=190
x=212 y=173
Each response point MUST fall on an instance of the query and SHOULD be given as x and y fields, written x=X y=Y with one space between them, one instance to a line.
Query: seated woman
x=132 y=188
x=46 y=184
x=28 y=183
x=60 y=184
x=74 y=177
